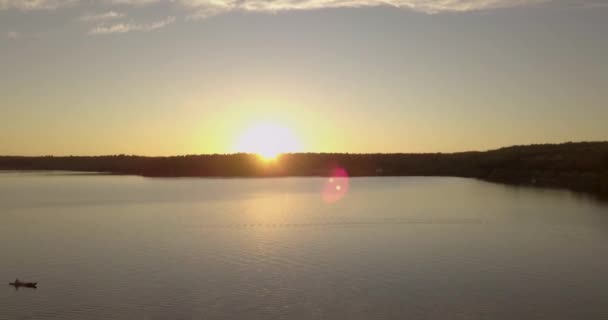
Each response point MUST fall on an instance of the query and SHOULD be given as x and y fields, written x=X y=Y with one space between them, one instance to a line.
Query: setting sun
x=268 y=140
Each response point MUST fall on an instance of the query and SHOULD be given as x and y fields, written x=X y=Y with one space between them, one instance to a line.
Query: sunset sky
x=154 y=77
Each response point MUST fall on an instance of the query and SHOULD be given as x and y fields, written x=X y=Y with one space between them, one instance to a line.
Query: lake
x=128 y=247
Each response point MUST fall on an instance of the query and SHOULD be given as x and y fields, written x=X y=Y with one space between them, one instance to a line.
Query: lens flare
x=336 y=186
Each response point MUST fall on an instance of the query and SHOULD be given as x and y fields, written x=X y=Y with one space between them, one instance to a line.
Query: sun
x=268 y=140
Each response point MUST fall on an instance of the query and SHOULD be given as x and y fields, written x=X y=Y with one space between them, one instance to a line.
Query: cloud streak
x=28 y=5
x=107 y=16
x=110 y=15
x=206 y=8
x=133 y=2
x=104 y=29
x=13 y=35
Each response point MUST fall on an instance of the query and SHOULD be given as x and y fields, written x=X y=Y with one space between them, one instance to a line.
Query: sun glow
x=268 y=140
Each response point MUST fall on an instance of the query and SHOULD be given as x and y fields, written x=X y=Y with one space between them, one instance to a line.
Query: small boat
x=18 y=284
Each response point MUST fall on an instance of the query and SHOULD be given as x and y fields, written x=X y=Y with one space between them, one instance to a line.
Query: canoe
x=18 y=284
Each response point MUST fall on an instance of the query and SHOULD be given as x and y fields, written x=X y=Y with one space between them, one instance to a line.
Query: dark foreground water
x=123 y=247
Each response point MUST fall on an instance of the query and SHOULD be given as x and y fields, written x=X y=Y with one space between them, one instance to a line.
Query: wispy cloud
x=134 y=2
x=110 y=20
x=110 y=15
x=27 y=5
x=13 y=35
x=205 y=8
x=200 y=9
x=589 y=4
x=131 y=26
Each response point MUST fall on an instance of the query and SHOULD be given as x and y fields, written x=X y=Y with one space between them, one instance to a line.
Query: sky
x=151 y=77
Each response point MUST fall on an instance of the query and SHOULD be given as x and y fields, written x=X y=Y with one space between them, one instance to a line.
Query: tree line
x=579 y=166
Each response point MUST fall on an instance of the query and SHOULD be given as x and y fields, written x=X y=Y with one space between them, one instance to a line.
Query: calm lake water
x=126 y=247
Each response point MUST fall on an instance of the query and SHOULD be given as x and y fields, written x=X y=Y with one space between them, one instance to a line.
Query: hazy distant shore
x=581 y=166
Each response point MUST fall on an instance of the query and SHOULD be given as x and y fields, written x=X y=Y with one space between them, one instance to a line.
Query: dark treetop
x=578 y=166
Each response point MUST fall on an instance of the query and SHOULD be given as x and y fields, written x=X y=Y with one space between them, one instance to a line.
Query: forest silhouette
x=581 y=166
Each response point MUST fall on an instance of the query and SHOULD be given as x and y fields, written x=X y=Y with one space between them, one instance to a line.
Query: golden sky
x=183 y=77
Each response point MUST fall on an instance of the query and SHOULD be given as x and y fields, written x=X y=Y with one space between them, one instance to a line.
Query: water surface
x=126 y=247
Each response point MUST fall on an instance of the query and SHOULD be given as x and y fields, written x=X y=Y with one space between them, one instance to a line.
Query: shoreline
x=581 y=166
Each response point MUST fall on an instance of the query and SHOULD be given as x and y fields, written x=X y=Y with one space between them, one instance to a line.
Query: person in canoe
x=18 y=284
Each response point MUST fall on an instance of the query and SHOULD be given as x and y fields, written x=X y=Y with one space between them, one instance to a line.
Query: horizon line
x=299 y=153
